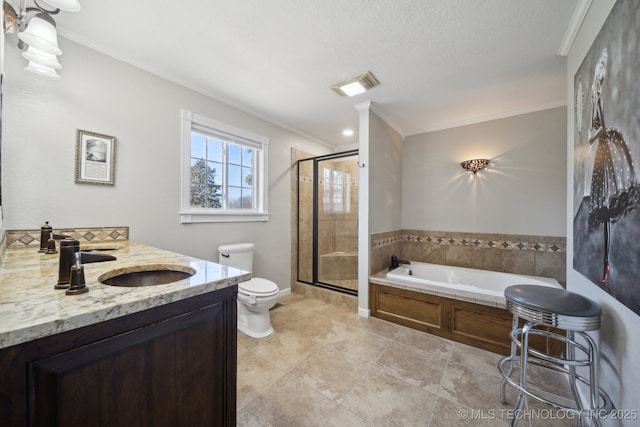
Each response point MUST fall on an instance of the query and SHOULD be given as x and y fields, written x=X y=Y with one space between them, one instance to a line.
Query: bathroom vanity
x=161 y=355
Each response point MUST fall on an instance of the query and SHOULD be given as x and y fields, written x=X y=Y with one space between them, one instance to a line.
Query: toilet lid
x=258 y=286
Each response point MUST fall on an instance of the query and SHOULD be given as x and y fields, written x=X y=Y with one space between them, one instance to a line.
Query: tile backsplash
x=24 y=238
x=521 y=254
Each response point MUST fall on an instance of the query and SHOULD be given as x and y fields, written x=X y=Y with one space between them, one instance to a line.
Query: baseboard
x=364 y=312
x=284 y=292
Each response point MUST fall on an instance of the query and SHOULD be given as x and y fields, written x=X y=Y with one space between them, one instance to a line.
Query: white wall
x=100 y=94
x=363 y=208
x=380 y=191
x=523 y=190
x=618 y=337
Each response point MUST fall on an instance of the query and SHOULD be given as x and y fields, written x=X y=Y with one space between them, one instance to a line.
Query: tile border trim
x=16 y=239
x=509 y=242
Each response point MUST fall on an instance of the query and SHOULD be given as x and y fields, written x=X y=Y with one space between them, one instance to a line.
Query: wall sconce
x=39 y=32
x=474 y=165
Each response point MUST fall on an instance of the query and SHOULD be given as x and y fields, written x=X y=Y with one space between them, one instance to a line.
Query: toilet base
x=254 y=323
x=254 y=334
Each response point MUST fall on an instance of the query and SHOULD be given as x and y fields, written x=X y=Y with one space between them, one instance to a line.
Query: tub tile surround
x=382 y=246
x=520 y=254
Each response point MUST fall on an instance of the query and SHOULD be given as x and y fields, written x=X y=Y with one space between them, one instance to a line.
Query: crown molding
x=574 y=25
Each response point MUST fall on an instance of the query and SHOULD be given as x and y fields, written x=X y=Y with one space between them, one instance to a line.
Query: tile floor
x=325 y=366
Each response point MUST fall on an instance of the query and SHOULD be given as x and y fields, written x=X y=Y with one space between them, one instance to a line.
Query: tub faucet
x=395 y=262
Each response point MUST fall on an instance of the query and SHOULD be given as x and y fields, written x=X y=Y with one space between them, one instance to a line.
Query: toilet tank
x=238 y=255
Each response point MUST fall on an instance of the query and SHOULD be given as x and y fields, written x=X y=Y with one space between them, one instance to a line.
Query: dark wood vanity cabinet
x=171 y=365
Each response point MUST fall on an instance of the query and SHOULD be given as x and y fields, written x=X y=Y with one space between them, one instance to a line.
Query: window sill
x=229 y=216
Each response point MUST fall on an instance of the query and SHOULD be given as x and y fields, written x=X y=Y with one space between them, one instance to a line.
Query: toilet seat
x=259 y=287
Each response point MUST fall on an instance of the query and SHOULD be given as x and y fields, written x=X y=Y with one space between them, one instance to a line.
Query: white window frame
x=190 y=214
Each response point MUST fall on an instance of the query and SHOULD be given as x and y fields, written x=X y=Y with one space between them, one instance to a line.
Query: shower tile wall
x=520 y=254
x=338 y=231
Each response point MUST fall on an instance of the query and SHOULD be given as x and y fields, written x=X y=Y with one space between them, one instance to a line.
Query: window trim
x=189 y=214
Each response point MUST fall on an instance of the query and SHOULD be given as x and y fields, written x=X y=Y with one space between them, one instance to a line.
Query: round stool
x=542 y=307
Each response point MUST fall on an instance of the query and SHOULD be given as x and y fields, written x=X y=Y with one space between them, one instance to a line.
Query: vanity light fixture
x=347 y=132
x=474 y=165
x=356 y=85
x=39 y=32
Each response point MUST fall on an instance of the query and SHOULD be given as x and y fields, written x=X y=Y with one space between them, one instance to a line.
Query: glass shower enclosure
x=328 y=221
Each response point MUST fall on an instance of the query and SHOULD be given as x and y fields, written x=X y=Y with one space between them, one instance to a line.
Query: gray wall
x=523 y=191
x=101 y=94
x=385 y=180
x=618 y=337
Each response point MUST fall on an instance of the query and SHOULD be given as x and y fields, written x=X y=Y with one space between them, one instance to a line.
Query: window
x=223 y=172
x=336 y=191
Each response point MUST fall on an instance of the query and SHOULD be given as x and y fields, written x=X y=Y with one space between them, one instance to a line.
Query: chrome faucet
x=395 y=262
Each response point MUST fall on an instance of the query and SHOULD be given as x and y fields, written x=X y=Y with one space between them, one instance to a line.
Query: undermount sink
x=146 y=275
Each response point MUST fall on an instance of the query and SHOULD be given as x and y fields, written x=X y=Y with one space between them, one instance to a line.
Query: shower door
x=328 y=221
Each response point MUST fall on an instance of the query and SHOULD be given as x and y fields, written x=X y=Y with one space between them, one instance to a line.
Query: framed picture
x=606 y=178
x=95 y=158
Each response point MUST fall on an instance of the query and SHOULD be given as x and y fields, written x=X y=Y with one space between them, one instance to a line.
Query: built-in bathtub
x=463 y=304
x=465 y=282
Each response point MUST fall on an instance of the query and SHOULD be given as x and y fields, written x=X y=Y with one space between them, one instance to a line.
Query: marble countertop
x=31 y=308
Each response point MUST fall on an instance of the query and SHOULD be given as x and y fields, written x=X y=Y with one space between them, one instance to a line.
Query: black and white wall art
x=606 y=198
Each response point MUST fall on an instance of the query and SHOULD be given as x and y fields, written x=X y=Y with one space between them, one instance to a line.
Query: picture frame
x=606 y=155
x=95 y=158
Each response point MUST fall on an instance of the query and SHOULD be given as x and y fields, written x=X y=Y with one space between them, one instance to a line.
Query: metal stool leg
x=514 y=350
x=521 y=403
x=571 y=355
x=594 y=389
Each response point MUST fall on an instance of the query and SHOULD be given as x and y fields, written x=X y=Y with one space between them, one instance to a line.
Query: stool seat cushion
x=552 y=300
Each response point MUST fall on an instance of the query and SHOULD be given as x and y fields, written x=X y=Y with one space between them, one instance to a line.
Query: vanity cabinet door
x=171 y=373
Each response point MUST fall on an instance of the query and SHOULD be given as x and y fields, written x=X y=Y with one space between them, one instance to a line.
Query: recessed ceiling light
x=347 y=132
x=356 y=85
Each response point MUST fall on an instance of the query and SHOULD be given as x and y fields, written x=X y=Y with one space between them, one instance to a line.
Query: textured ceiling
x=441 y=63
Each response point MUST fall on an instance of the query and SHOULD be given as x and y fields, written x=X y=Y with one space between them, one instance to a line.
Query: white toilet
x=255 y=296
